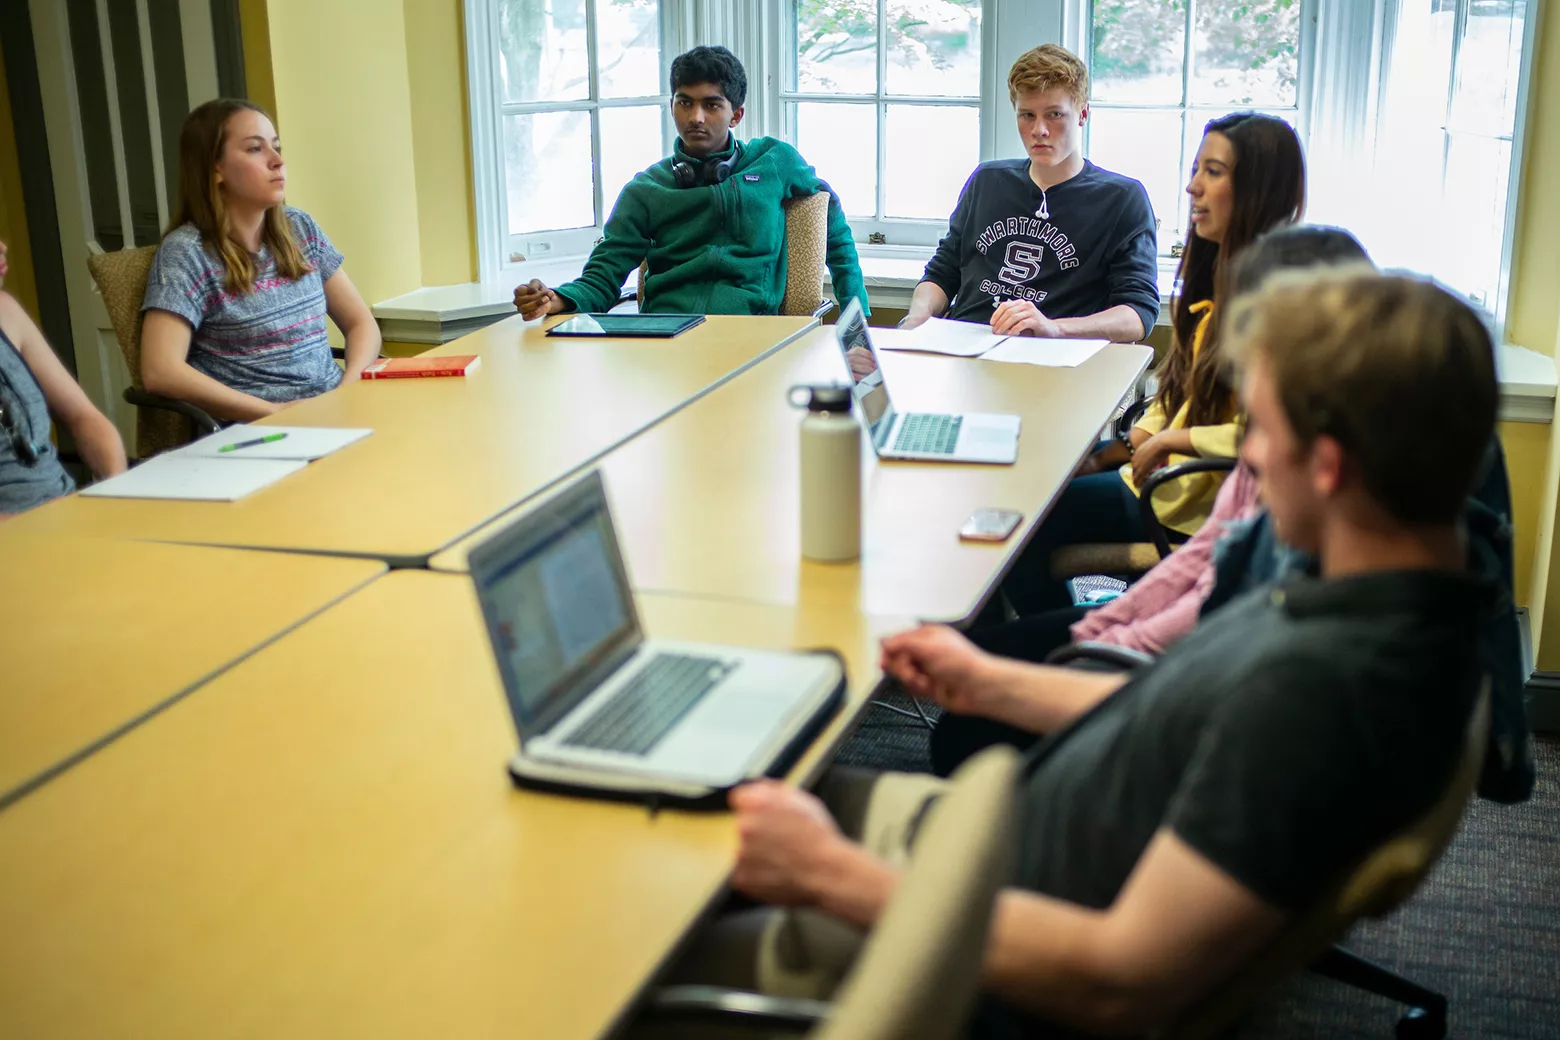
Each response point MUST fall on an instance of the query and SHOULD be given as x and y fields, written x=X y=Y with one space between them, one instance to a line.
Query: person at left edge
x=708 y=217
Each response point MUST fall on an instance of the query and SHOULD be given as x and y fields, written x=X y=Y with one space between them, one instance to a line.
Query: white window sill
x=442 y=313
x=1527 y=384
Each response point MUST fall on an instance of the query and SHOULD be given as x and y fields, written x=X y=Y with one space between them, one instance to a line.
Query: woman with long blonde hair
x=235 y=306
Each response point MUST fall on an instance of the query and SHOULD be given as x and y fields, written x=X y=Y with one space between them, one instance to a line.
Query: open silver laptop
x=971 y=437
x=596 y=704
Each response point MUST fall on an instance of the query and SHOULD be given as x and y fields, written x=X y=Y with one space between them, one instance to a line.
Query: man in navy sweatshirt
x=1050 y=245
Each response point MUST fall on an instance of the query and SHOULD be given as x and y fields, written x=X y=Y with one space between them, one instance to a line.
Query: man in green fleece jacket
x=708 y=218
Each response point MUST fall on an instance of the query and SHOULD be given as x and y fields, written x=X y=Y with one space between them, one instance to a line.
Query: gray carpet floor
x=1484 y=929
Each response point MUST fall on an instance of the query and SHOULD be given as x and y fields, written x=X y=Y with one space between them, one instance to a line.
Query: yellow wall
x=1534 y=314
x=1527 y=453
x=19 y=282
x=256 y=31
x=343 y=109
x=1533 y=321
x=441 y=141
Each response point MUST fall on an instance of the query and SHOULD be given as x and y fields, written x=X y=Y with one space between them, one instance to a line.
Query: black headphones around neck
x=707 y=172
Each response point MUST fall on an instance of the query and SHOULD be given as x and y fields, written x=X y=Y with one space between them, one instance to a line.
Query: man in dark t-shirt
x=1048 y=245
x=1175 y=822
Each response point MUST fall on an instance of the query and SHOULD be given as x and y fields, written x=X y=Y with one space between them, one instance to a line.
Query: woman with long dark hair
x=235 y=305
x=1248 y=177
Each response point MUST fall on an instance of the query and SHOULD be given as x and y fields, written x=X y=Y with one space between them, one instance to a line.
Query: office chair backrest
x=917 y=974
x=806 y=247
x=1381 y=883
x=121 y=278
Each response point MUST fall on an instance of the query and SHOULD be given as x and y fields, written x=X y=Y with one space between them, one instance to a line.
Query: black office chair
x=161 y=422
x=1128 y=561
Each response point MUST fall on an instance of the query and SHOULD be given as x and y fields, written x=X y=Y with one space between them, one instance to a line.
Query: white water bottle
x=830 y=474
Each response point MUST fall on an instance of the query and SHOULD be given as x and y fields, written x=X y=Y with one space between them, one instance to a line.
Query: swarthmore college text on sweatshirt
x=1096 y=248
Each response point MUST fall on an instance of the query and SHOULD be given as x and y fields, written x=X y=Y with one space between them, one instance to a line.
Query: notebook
x=971 y=339
x=195 y=478
x=305 y=443
x=940 y=336
x=1048 y=353
x=422 y=367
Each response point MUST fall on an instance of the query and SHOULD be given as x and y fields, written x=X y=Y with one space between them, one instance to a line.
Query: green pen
x=267 y=439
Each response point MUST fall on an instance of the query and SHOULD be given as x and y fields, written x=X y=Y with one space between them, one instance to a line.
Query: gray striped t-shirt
x=269 y=342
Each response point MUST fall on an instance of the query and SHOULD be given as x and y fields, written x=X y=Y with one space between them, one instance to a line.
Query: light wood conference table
x=708 y=503
x=449 y=454
x=95 y=634
x=324 y=842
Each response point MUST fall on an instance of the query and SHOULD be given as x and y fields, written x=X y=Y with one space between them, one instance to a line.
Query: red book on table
x=421 y=367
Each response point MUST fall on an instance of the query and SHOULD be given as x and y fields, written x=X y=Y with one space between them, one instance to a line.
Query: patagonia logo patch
x=750 y=177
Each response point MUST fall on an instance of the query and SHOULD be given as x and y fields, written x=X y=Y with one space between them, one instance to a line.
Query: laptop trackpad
x=725 y=731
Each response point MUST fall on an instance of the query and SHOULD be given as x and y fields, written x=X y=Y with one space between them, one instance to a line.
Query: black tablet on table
x=654 y=326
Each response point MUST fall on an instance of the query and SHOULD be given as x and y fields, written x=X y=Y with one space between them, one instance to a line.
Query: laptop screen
x=557 y=603
x=868 y=387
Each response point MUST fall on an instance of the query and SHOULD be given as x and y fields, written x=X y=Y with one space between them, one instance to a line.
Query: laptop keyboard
x=647 y=707
x=933 y=434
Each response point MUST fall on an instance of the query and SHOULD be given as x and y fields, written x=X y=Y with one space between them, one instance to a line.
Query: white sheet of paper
x=1052 y=353
x=302 y=442
x=195 y=478
x=939 y=336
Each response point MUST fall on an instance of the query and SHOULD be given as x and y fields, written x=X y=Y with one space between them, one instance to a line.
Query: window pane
x=1477 y=172
x=628 y=47
x=934 y=47
x=1144 y=145
x=630 y=141
x=1420 y=69
x=1488 y=67
x=1197 y=120
x=841 y=143
x=836 y=46
x=923 y=182
x=1139 y=50
x=542 y=52
x=1246 y=53
x=547 y=166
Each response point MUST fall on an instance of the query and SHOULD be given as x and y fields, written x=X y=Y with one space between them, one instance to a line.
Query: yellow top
x=1184 y=504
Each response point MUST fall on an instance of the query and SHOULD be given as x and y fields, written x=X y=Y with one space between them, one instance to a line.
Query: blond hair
x=1046 y=67
x=1397 y=370
x=201 y=202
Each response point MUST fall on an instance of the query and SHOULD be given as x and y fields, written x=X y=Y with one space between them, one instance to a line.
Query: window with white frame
x=1411 y=111
x=580 y=102
x=1442 y=198
x=1161 y=69
x=883 y=97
